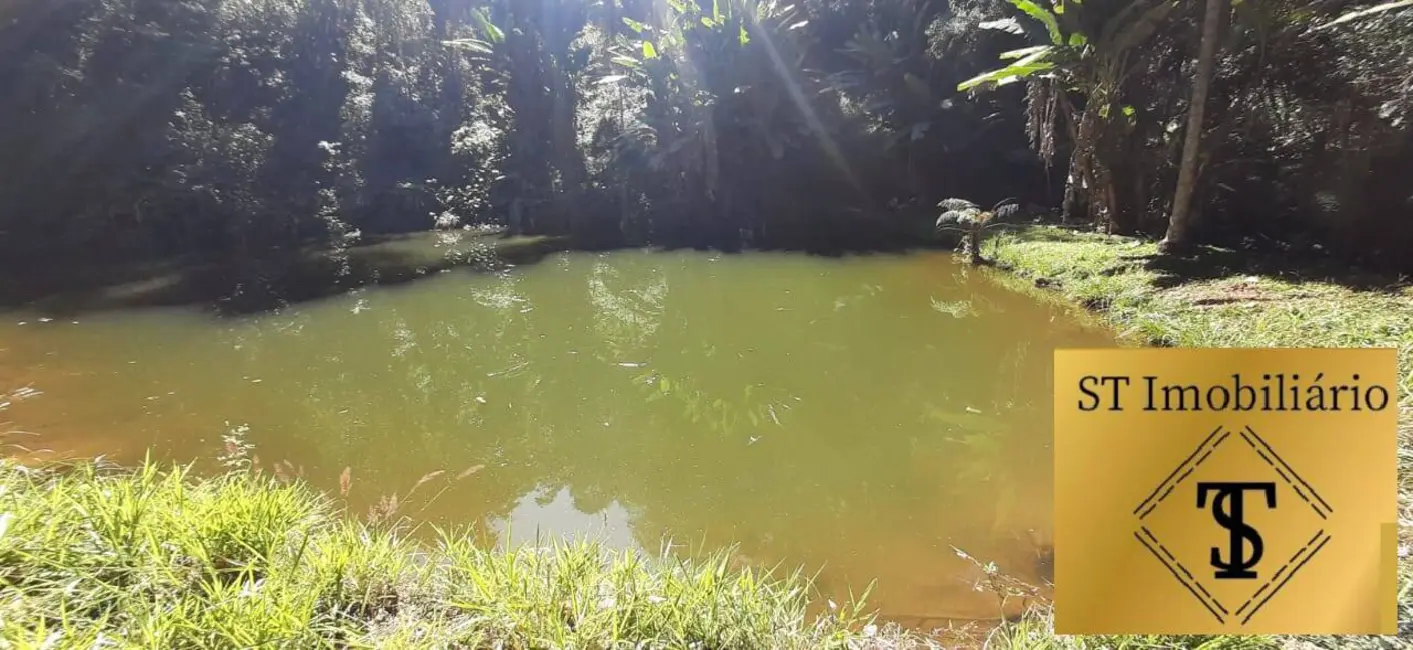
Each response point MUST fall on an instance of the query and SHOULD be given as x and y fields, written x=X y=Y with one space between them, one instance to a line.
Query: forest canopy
x=138 y=129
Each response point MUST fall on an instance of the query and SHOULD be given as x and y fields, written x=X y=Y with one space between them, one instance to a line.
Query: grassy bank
x=1218 y=298
x=93 y=557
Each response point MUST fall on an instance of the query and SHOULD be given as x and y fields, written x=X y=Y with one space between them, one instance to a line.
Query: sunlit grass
x=158 y=559
x=1037 y=632
x=1260 y=306
x=1236 y=308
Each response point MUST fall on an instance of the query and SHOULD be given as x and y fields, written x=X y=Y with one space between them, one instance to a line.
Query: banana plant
x=1367 y=12
x=1081 y=49
x=969 y=218
x=1072 y=40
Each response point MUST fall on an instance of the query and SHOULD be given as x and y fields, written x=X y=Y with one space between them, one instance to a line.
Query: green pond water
x=860 y=416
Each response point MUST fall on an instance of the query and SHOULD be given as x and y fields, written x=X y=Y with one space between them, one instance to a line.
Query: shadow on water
x=232 y=286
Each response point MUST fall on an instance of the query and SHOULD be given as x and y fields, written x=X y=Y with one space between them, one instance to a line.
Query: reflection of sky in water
x=858 y=416
x=539 y=515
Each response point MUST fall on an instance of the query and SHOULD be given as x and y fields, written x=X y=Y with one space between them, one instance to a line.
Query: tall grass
x=94 y=556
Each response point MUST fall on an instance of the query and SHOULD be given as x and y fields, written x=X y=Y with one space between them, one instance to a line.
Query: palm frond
x=1006 y=212
x=1010 y=199
x=963 y=217
x=958 y=204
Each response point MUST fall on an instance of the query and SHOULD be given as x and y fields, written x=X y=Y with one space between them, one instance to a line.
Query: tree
x=1178 y=225
x=1089 y=50
x=143 y=129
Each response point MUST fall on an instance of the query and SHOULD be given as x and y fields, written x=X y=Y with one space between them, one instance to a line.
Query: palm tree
x=967 y=217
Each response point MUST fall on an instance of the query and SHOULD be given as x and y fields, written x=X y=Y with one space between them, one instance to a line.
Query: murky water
x=859 y=415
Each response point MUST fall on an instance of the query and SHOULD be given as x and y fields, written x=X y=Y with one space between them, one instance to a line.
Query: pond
x=860 y=415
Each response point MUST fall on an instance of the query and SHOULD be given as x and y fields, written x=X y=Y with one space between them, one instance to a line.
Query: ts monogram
x=1227 y=503
x=1224 y=520
x=1228 y=509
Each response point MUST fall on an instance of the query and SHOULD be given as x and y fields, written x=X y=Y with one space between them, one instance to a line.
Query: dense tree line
x=138 y=129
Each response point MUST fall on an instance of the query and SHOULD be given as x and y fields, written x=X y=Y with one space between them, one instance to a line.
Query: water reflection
x=543 y=514
x=860 y=415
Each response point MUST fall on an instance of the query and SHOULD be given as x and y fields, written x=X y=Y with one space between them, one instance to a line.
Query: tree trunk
x=1179 y=224
x=1077 y=184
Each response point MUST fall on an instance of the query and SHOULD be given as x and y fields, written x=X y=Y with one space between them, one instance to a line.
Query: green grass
x=1036 y=632
x=150 y=558
x=1224 y=298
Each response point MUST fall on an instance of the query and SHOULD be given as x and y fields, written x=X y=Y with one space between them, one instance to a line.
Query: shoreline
x=1213 y=299
x=1112 y=281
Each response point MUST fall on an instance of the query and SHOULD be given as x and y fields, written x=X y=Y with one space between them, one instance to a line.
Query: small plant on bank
x=969 y=218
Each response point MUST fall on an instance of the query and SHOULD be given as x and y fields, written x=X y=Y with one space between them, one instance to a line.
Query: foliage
x=144 y=128
x=1087 y=50
x=1132 y=59
x=140 y=129
x=154 y=558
